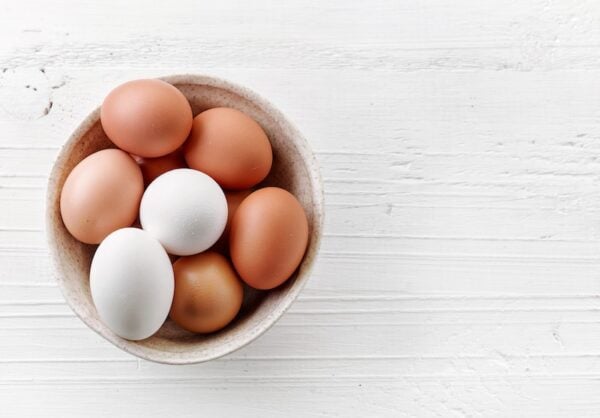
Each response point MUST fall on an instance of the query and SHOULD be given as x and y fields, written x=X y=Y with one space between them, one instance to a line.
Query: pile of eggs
x=178 y=213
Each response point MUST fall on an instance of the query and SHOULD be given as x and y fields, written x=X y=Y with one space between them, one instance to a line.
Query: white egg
x=132 y=283
x=185 y=210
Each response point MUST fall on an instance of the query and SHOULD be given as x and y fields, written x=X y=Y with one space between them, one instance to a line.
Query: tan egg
x=208 y=292
x=154 y=167
x=230 y=147
x=234 y=198
x=268 y=237
x=101 y=194
x=148 y=118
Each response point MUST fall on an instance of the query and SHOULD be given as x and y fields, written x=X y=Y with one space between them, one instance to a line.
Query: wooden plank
x=458 y=143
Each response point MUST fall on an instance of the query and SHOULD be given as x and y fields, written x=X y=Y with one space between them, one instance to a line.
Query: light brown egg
x=148 y=118
x=101 y=194
x=208 y=292
x=234 y=198
x=230 y=147
x=268 y=237
x=154 y=167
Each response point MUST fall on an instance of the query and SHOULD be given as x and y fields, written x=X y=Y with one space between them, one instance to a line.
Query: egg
x=268 y=237
x=100 y=195
x=185 y=210
x=131 y=281
x=230 y=147
x=234 y=198
x=149 y=118
x=208 y=292
x=154 y=167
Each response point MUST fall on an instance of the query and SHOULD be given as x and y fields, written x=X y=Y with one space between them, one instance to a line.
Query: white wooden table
x=460 y=149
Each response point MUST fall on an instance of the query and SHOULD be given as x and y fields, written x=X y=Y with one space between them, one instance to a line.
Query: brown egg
x=149 y=118
x=208 y=292
x=268 y=237
x=230 y=147
x=234 y=198
x=101 y=194
x=154 y=167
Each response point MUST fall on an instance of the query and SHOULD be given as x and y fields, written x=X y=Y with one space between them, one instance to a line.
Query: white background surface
x=460 y=149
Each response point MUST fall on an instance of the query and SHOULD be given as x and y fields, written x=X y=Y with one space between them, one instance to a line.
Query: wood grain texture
x=460 y=149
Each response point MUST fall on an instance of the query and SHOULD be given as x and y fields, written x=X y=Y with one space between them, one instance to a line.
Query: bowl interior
x=294 y=168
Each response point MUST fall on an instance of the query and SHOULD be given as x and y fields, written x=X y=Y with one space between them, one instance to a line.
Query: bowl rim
x=181 y=358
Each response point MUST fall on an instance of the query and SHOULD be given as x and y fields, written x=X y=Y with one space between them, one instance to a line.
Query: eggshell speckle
x=185 y=210
x=131 y=281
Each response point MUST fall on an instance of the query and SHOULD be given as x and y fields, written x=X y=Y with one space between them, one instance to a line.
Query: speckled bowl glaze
x=294 y=168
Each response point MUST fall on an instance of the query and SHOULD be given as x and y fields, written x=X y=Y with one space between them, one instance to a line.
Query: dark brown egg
x=208 y=292
x=268 y=237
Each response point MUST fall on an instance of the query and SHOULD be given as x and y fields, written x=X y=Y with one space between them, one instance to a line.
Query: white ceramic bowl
x=294 y=168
